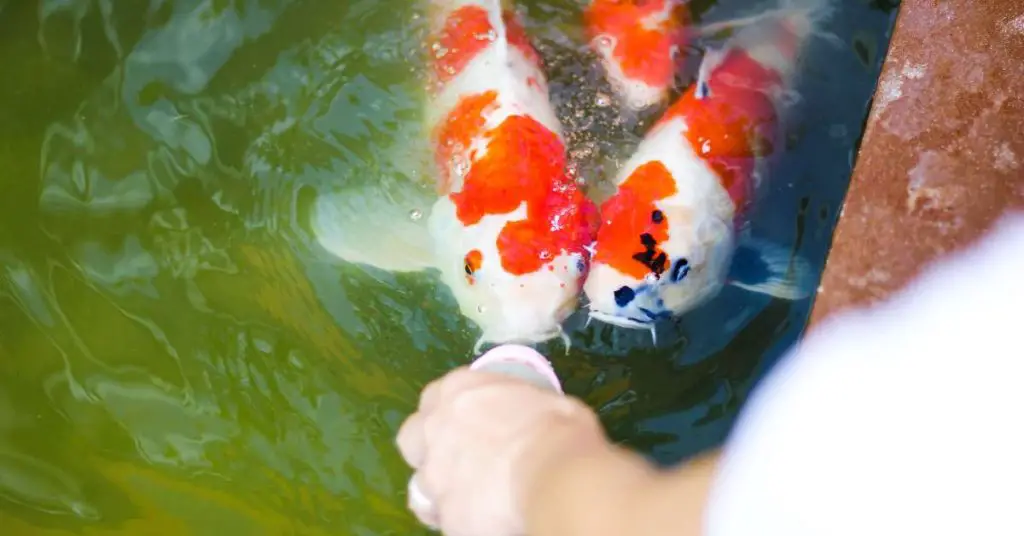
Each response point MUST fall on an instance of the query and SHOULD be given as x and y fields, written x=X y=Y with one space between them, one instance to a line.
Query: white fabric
x=902 y=419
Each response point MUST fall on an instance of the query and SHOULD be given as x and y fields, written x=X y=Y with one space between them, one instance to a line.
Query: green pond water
x=176 y=354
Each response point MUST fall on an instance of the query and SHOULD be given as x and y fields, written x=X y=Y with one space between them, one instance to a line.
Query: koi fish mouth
x=625 y=322
x=620 y=321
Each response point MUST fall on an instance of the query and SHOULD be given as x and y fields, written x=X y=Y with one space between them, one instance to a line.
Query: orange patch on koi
x=463 y=36
x=462 y=125
x=525 y=162
x=630 y=242
x=643 y=50
x=734 y=175
x=518 y=38
x=735 y=123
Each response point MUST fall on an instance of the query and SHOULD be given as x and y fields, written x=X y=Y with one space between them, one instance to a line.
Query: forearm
x=613 y=491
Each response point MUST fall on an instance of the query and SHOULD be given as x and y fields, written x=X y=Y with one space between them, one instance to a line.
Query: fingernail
x=417 y=499
x=422 y=506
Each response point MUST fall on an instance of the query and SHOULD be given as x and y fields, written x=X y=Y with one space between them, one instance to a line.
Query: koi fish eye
x=657 y=216
x=472 y=263
x=679 y=270
x=624 y=295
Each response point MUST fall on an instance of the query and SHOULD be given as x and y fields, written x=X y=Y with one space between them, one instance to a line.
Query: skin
x=472 y=427
x=634 y=497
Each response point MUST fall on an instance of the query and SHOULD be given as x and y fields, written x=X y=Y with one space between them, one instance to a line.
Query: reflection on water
x=177 y=357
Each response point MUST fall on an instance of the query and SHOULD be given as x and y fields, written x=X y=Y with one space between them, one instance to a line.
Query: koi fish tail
x=802 y=18
x=789 y=27
x=810 y=14
x=778 y=42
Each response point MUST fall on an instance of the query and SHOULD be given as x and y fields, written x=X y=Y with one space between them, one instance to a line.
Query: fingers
x=415 y=436
x=430 y=488
x=412 y=441
x=412 y=436
x=434 y=441
x=443 y=388
x=413 y=448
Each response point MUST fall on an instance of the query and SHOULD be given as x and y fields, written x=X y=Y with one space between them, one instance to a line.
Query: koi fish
x=673 y=234
x=506 y=226
x=638 y=42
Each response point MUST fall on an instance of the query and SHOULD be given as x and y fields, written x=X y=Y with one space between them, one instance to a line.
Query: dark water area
x=176 y=354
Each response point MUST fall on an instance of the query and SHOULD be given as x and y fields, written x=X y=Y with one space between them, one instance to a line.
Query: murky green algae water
x=177 y=357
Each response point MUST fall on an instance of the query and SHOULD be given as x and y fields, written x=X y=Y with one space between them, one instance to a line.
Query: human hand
x=478 y=442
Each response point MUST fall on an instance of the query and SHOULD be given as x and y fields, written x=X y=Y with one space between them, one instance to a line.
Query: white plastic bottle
x=514 y=360
x=519 y=361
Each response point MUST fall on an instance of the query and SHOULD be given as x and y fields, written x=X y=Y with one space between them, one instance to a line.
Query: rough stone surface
x=943 y=153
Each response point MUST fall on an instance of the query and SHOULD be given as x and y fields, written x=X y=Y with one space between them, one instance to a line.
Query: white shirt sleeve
x=904 y=419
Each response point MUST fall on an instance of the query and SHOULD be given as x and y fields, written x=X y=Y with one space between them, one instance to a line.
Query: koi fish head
x=638 y=42
x=654 y=257
x=509 y=279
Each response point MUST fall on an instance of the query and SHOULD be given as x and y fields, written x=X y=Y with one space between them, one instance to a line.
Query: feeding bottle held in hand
x=513 y=360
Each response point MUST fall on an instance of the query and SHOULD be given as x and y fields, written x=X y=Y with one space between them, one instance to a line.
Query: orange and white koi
x=508 y=227
x=673 y=231
x=638 y=43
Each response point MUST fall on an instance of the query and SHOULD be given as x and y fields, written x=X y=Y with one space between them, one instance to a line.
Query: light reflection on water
x=177 y=357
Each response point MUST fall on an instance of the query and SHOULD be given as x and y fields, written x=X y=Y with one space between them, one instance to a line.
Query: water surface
x=178 y=357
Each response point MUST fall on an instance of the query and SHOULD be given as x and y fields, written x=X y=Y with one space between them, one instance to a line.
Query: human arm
x=901 y=419
x=632 y=496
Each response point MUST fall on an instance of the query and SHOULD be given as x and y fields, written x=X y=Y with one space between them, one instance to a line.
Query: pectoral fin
x=383 y=225
x=713 y=29
x=768 y=268
x=713 y=58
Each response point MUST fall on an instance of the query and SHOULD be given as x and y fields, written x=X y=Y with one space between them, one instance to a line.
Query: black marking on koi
x=649 y=257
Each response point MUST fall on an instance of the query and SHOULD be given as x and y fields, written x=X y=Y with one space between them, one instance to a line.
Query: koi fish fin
x=816 y=12
x=768 y=268
x=712 y=29
x=713 y=57
x=383 y=225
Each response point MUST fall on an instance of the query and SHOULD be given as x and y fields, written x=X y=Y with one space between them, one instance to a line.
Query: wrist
x=574 y=433
x=609 y=480
x=631 y=495
x=578 y=471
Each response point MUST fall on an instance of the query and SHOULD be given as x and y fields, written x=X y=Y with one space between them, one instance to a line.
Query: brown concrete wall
x=943 y=152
